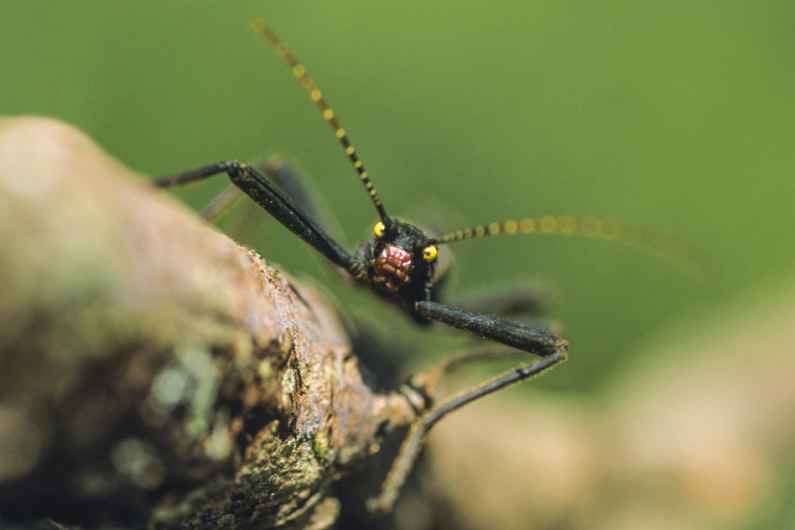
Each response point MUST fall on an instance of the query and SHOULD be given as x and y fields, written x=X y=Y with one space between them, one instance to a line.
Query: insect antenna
x=303 y=78
x=663 y=247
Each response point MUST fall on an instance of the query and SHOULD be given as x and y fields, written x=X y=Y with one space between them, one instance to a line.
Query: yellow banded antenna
x=303 y=78
x=592 y=227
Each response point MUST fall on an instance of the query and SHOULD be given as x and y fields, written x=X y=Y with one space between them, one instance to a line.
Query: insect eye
x=430 y=253
x=379 y=229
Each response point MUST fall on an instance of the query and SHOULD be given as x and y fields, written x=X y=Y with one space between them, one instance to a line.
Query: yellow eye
x=430 y=252
x=379 y=229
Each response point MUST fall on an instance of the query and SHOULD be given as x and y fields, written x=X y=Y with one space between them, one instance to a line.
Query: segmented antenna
x=648 y=241
x=303 y=78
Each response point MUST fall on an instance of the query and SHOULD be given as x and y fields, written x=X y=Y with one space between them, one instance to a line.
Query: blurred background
x=676 y=116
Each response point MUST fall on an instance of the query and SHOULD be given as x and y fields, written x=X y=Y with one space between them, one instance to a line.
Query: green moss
x=320 y=445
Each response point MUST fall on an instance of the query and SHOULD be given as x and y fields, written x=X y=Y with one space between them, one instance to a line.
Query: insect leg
x=193 y=175
x=291 y=183
x=427 y=384
x=285 y=178
x=538 y=340
x=276 y=202
x=221 y=203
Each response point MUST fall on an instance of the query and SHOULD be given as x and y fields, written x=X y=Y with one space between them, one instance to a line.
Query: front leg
x=293 y=184
x=530 y=339
x=277 y=203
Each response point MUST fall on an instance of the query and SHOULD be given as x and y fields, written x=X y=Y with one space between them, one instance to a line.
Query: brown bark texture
x=152 y=368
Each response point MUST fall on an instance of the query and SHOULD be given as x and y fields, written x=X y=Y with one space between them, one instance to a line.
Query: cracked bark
x=153 y=369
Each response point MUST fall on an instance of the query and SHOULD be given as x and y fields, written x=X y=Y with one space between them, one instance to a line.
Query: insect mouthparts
x=392 y=266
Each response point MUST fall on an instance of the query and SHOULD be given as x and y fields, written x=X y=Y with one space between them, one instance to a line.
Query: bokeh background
x=677 y=116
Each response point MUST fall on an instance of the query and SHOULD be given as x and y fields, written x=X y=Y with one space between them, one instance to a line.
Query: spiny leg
x=283 y=176
x=292 y=182
x=518 y=301
x=535 y=340
x=289 y=181
x=427 y=385
x=277 y=203
x=538 y=340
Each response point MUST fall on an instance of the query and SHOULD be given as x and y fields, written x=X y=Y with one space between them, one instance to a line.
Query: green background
x=674 y=115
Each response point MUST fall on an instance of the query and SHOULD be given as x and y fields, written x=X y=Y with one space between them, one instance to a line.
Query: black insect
x=401 y=264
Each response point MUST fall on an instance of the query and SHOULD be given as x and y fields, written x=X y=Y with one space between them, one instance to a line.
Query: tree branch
x=153 y=369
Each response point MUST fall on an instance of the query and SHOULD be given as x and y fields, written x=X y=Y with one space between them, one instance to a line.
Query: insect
x=401 y=265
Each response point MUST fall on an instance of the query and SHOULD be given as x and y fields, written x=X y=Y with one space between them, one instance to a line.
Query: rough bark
x=153 y=369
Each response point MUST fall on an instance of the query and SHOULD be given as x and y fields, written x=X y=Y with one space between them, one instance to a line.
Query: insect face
x=401 y=257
